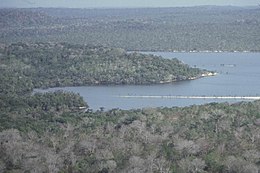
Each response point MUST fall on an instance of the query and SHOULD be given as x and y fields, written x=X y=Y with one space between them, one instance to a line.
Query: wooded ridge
x=203 y=28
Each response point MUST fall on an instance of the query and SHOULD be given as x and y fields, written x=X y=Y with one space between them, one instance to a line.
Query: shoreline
x=202 y=51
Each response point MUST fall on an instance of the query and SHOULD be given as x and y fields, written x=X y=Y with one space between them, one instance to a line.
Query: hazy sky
x=122 y=3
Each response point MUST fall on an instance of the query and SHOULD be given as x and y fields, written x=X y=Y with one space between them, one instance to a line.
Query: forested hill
x=53 y=65
x=203 y=28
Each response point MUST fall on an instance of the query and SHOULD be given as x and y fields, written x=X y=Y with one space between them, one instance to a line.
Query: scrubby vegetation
x=208 y=138
x=203 y=28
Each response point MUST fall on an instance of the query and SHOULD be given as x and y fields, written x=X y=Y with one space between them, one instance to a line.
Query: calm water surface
x=238 y=75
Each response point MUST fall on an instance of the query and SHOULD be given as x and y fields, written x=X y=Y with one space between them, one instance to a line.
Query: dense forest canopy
x=203 y=28
x=44 y=134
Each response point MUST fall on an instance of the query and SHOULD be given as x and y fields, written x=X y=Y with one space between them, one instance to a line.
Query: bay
x=238 y=75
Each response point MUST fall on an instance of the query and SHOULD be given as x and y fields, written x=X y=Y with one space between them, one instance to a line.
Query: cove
x=238 y=76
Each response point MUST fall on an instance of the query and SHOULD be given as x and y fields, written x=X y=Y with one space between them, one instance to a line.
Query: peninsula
x=43 y=65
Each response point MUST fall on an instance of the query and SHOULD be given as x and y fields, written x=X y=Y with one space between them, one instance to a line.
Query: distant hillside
x=24 y=18
x=149 y=29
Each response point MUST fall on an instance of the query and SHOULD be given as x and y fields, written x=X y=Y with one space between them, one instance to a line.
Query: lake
x=238 y=75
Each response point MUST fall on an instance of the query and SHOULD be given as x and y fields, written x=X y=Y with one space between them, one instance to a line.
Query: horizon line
x=134 y=7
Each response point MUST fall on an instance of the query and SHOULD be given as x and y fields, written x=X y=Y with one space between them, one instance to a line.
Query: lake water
x=238 y=75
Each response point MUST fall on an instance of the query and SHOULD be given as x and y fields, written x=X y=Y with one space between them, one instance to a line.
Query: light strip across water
x=192 y=97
